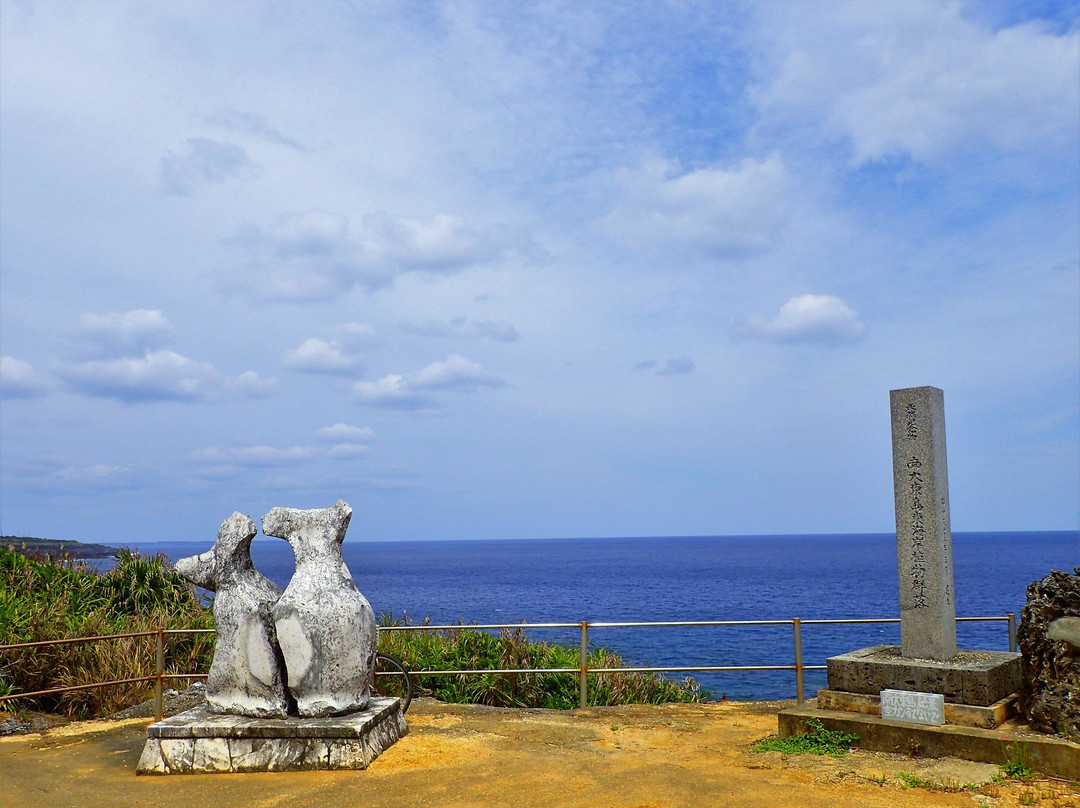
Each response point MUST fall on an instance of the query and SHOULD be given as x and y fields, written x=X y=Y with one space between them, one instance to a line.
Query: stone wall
x=1050 y=645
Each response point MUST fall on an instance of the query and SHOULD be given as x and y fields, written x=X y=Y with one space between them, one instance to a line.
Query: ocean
x=688 y=578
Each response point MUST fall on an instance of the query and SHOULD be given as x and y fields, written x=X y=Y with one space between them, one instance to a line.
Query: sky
x=539 y=269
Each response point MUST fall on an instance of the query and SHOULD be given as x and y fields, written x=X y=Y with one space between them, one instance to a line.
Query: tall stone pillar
x=923 y=532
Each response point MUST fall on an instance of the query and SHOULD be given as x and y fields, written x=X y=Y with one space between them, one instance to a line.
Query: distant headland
x=26 y=545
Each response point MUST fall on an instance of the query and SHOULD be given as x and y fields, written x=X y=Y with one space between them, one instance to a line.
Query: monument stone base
x=979 y=678
x=201 y=742
x=959 y=715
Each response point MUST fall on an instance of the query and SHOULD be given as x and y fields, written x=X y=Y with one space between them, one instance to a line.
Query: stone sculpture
x=325 y=627
x=247 y=674
x=1048 y=639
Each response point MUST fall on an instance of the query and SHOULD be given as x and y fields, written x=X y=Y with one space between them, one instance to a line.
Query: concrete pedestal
x=201 y=742
x=979 y=678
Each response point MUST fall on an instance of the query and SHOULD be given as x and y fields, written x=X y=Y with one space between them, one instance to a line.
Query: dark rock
x=1050 y=689
x=12 y=726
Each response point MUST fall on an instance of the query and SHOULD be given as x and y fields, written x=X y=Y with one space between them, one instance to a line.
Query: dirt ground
x=669 y=756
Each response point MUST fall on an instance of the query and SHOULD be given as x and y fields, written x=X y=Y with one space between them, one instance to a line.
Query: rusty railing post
x=584 y=670
x=159 y=685
x=797 y=625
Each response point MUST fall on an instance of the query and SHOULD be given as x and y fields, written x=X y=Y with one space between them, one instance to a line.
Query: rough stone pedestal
x=201 y=742
x=978 y=678
x=1049 y=638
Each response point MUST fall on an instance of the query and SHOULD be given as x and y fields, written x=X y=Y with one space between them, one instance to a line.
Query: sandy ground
x=456 y=755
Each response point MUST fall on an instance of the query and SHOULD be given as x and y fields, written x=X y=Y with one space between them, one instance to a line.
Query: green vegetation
x=1017 y=765
x=43 y=599
x=910 y=780
x=818 y=741
x=471 y=649
x=1017 y=769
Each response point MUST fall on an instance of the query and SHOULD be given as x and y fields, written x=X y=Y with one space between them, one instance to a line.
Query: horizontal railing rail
x=583 y=670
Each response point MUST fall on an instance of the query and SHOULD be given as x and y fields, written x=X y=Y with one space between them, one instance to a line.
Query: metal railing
x=583 y=670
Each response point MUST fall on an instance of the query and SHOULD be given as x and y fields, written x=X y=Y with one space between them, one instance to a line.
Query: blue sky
x=491 y=270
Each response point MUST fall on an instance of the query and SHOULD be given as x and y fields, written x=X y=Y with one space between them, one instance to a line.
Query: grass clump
x=49 y=598
x=910 y=780
x=473 y=649
x=818 y=741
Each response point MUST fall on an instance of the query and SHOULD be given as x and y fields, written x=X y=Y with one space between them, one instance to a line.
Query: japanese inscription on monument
x=916 y=708
x=923 y=532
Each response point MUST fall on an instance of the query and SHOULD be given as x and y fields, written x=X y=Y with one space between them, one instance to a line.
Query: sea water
x=684 y=579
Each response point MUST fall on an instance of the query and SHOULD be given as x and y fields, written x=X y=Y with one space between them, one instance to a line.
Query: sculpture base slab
x=201 y=742
x=979 y=678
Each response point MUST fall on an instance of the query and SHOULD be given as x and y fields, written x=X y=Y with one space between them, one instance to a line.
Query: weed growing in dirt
x=1017 y=768
x=818 y=741
x=914 y=781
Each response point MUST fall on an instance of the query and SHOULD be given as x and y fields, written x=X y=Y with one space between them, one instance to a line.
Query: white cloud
x=222 y=462
x=92 y=478
x=809 y=318
x=206 y=161
x=119 y=355
x=443 y=244
x=322 y=356
x=345 y=433
x=250 y=385
x=254 y=455
x=303 y=257
x=721 y=213
x=19 y=380
x=414 y=391
x=347 y=450
x=456 y=373
x=392 y=391
x=112 y=335
x=922 y=79
x=157 y=376
x=461 y=327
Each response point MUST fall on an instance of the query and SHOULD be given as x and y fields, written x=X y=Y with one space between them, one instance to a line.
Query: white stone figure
x=326 y=628
x=247 y=675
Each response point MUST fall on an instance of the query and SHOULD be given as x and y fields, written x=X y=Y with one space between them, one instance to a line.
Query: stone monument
x=325 y=626
x=923 y=532
x=305 y=703
x=978 y=687
x=247 y=676
x=924 y=696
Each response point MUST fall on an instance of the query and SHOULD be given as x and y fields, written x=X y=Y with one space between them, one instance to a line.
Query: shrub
x=46 y=599
x=473 y=649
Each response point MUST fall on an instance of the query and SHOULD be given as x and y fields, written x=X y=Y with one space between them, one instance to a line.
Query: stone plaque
x=923 y=533
x=913 y=707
